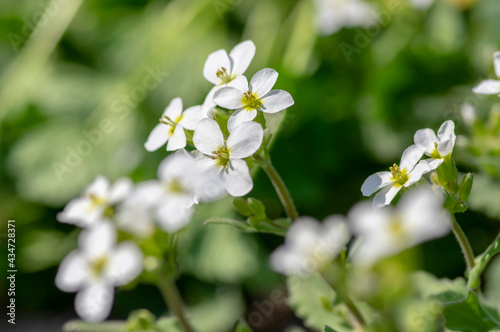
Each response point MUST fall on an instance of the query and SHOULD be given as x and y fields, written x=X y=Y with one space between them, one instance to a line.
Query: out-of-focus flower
x=401 y=176
x=96 y=202
x=309 y=245
x=135 y=217
x=333 y=15
x=173 y=121
x=95 y=268
x=418 y=217
x=258 y=96
x=490 y=87
x=436 y=147
x=226 y=156
x=421 y=4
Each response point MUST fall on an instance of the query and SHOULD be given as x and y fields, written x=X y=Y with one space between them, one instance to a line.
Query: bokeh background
x=360 y=94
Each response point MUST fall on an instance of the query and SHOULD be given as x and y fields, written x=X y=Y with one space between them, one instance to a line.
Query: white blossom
x=490 y=87
x=173 y=121
x=258 y=96
x=226 y=156
x=436 y=147
x=96 y=202
x=333 y=15
x=418 y=217
x=407 y=173
x=95 y=268
x=309 y=245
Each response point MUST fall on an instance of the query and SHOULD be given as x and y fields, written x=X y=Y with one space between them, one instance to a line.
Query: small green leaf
x=328 y=329
x=242 y=326
x=481 y=262
x=466 y=186
x=468 y=316
x=242 y=206
x=241 y=225
x=258 y=208
x=141 y=320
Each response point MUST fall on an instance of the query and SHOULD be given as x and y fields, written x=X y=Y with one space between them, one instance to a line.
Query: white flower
x=96 y=202
x=258 y=96
x=220 y=68
x=421 y=4
x=226 y=156
x=436 y=147
x=490 y=87
x=309 y=245
x=333 y=15
x=172 y=125
x=181 y=183
x=401 y=176
x=418 y=217
x=96 y=268
x=135 y=217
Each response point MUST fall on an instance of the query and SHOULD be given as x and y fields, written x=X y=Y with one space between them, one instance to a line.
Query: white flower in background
x=181 y=183
x=436 y=147
x=309 y=245
x=333 y=15
x=490 y=87
x=221 y=68
x=95 y=268
x=135 y=217
x=418 y=217
x=96 y=202
x=407 y=173
x=468 y=114
x=421 y=4
x=226 y=156
x=173 y=121
x=258 y=96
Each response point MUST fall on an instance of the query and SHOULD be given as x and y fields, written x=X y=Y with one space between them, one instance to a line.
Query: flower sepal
x=447 y=175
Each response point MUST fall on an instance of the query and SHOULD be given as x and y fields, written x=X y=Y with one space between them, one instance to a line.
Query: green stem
x=354 y=310
x=279 y=185
x=173 y=300
x=464 y=243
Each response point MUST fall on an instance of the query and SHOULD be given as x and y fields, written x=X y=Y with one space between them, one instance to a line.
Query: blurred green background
x=122 y=61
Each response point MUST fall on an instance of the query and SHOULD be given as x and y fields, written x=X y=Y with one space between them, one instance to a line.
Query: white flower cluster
x=216 y=165
x=381 y=231
x=490 y=87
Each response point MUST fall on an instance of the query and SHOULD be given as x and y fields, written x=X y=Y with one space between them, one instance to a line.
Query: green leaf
x=258 y=208
x=241 y=225
x=242 y=206
x=443 y=290
x=469 y=316
x=328 y=329
x=466 y=186
x=307 y=296
x=481 y=262
x=242 y=326
x=141 y=320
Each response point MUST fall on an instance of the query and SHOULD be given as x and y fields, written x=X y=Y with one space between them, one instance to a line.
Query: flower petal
x=416 y=174
x=237 y=179
x=76 y=212
x=245 y=140
x=93 y=304
x=73 y=272
x=240 y=116
x=434 y=163
x=410 y=157
x=487 y=87
x=215 y=61
x=376 y=181
x=173 y=216
x=125 y=264
x=446 y=130
x=425 y=139
x=385 y=196
x=208 y=137
x=98 y=240
x=228 y=97
x=120 y=190
x=239 y=82
x=177 y=140
x=157 y=138
x=192 y=116
x=241 y=56
x=263 y=81
x=496 y=63
x=99 y=187
x=174 y=109
x=275 y=101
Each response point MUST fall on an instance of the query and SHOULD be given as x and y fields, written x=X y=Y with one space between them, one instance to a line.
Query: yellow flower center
x=399 y=175
x=96 y=202
x=172 y=123
x=397 y=230
x=251 y=101
x=175 y=186
x=223 y=75
x=435 y=154
x=97 y=266
x=221 y=156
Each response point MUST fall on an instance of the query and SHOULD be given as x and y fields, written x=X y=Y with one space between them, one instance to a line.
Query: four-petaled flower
x=490 y=87
x=172 y=124
x=404 y=175
x=226 y=156
x=309 y=245
x=96 y=268
x=96 y=203
x=418 y=217
x=258 y=96
x=436 y=147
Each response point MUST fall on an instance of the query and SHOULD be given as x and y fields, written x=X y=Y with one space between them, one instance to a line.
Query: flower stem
x=464 y=243
x=279 y=185
x=173 y=300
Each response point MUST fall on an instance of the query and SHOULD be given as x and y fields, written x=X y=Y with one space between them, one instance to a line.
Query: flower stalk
x=464 y=243
x=173 y=300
